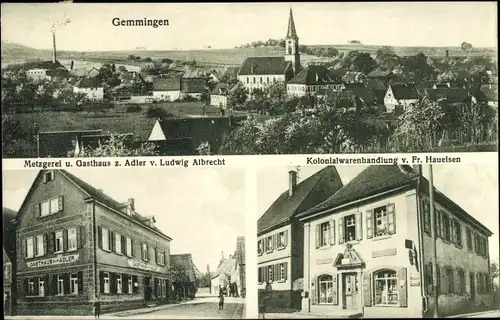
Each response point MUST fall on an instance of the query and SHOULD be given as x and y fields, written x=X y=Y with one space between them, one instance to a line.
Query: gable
x=349 y=258
x=157 y=133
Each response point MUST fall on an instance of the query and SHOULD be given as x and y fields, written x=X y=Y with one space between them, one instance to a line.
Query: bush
x=158 y=112
x=133 y=108
x=188 y=98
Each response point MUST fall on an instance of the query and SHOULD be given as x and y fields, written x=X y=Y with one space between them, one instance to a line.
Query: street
x=486 y=314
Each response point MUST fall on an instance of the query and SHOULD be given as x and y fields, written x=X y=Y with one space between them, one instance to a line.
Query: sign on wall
x=142 y=265
x=52 y=261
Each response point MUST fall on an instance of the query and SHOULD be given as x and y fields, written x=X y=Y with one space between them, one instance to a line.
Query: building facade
x=91 y=87
x=367 y=249
x=9 y=261
x=400 y=95
x=313 y=79
x=167 y=89
x=280 y=238
x=76 y=245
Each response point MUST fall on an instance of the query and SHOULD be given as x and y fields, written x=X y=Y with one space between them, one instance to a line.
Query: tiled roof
x=186 y=261
x=57 y=144
x=47 y=64
x=264 y=66
x=403 y=91
x=167 y=84
x=88 y=83
x=314 y=75
x=362 y=92
x=379 y=74
x=107 y=200
x=307 y=194
x=193 y=85
x=453 y=95
x=422 y=86
x=353 y=76
x=373 y=180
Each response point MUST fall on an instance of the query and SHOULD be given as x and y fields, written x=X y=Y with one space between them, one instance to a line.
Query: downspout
x=94 y=230
x=421 y=246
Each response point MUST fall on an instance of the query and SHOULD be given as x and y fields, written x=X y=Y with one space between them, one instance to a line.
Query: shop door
x=350 y=290
x=147 y=289
x=472 y=287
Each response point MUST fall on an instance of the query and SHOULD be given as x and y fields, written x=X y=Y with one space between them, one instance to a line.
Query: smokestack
x=54 y=52
x=292 y=184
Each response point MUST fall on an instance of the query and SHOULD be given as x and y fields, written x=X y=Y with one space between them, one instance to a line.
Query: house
x=91 y=87
x=75 y=244
x=193 y=87
x=48 y=69
x=311 y=79
x=131 y=78
x=260 y=72
x=167 y=89
x=183 y=273
x=368 y=249
x=378 y=89
x=9 y=261
x=400 y=95
x=451 y=95
x=218 y=96
x=280 y=237
x=422 y=86
x=384 y=75
x=87 y=142
x=354 y=77
x=364 y=95
x=93 y=73
x=490 y=94
x=225 y=276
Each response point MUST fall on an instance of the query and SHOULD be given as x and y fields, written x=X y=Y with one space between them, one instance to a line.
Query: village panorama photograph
x=124 y=243
x=387 y=241
x=94 y=80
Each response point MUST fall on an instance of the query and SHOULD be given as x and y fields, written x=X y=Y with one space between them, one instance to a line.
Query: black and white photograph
x=386 y=241
x=147 y=79
x=124 y=243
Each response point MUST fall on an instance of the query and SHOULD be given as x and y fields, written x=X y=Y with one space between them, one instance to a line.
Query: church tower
x=292 y=45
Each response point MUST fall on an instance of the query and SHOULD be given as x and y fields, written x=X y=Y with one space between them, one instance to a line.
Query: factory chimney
x=54 y=52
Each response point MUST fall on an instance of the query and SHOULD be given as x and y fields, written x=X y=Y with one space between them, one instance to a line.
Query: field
x=215 y=57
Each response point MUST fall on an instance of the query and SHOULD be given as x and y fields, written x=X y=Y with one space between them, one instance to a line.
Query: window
x=260 y=80
x=58 y=243
x=458 y=232
x=72 y=239
x=260 y=247
x=269 y=244
x=29 y=247
x=118 y=243
x=461 y=282
x=469 y=239
x=40 y=245
x=128 y=242
x=60 y=285
x=281 y=240
x=449 y=280
x=31 y=287
x=261 y=275
x=270 y=273
x=41 y=287
x=129 y=284
x=106 y=282
x=73 y=284
x=248 y=79
x=54 y=205
x=253 y=79
x=325 y=284
x=282 y=272
x=380 y=221
x=119 y=283
x=105 y=239
x=48 y=176
x=350 y=227
x=6 y=271
x=267 y=79
x=145 y=255
x=447 y=227
x=386 y=288
x=324 y=234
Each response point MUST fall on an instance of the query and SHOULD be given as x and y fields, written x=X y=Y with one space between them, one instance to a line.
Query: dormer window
x=48 y=176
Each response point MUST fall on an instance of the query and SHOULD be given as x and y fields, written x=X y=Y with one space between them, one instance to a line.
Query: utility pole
x=434 y=252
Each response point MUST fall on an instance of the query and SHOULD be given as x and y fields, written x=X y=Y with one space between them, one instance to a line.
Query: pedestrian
x=221 y=301
x=97 y=308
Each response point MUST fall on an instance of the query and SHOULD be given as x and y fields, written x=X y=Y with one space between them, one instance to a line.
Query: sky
x=226 y=25
x=201 y=209
x=473 y=187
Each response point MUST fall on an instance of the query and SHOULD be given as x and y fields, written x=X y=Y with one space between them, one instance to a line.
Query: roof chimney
x=417 y=169
x=292 y=183
x=54 y=52
x=131 y=202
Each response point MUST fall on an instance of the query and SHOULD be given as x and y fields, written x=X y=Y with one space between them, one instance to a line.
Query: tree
x=106 y=72
x=237 y=96
x=230 y=76
x=203 y=149
x=417 y=64
x=465 y=46
x=494 y=274
x=359 y=61
x=158 y=112
x=122 y=69
x=117 y=146
x=386 y=58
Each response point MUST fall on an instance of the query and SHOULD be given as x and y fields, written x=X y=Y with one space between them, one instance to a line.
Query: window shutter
x=332 y=232
x=156 y=255
x=111 y=240
x=101 y=282
x=444 y=284
x=61 y=203
x=367 y=289
x=35 y=246
x=275 y=242
x=45 y=246
x=391 y=218
x=359 y=226
x=437 y=227
x=286 y=238
x=53 y=285
x=65 y=240
x=456 y=281
x=403 y=283
x=341 y=230
x=286 y=271
x=26 y=286
x=441 y=223
x=51 y=245
x=318 y=240
x=37 y=210
x=99 y=236
x=66 y=283
x=36 y=286
x=369 y=224
x=478 y=283
x=132 y=247
x=427 y=217
x=313 y=292
x=124 y=245
x=46 y=291
x=80 y=282
x=79 y=237
x=112 y=282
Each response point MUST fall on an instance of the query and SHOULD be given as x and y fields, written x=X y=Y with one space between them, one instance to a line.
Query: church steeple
x=292 y=45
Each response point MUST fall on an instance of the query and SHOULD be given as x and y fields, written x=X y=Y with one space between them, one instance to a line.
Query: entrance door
x=472 y=287
x=350 y=290
x=147 y=289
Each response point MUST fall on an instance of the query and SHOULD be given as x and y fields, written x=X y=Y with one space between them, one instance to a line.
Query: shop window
x=136 y=284
x=73 y=284
x=325 y=291
x=41 y=287
x=450 y=281
x=119 y=283
x=60 y=285
x=31 y=287
x=386 y=287
x=106 y=282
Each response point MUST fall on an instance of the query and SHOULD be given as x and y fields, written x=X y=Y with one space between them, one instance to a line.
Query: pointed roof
x=292 y=33
x=308 y=193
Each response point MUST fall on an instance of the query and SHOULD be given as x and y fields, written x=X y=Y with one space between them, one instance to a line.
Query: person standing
x=221 y=301
x=97 y=308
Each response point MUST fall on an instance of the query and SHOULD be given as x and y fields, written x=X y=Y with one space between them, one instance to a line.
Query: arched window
x=386 y=287
x=289 y=50
x=325 y=289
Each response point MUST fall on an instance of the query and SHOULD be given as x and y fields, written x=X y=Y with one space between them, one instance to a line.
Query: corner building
x=75 y=245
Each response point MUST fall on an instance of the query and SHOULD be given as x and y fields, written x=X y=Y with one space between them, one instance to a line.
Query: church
x=259 y=72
